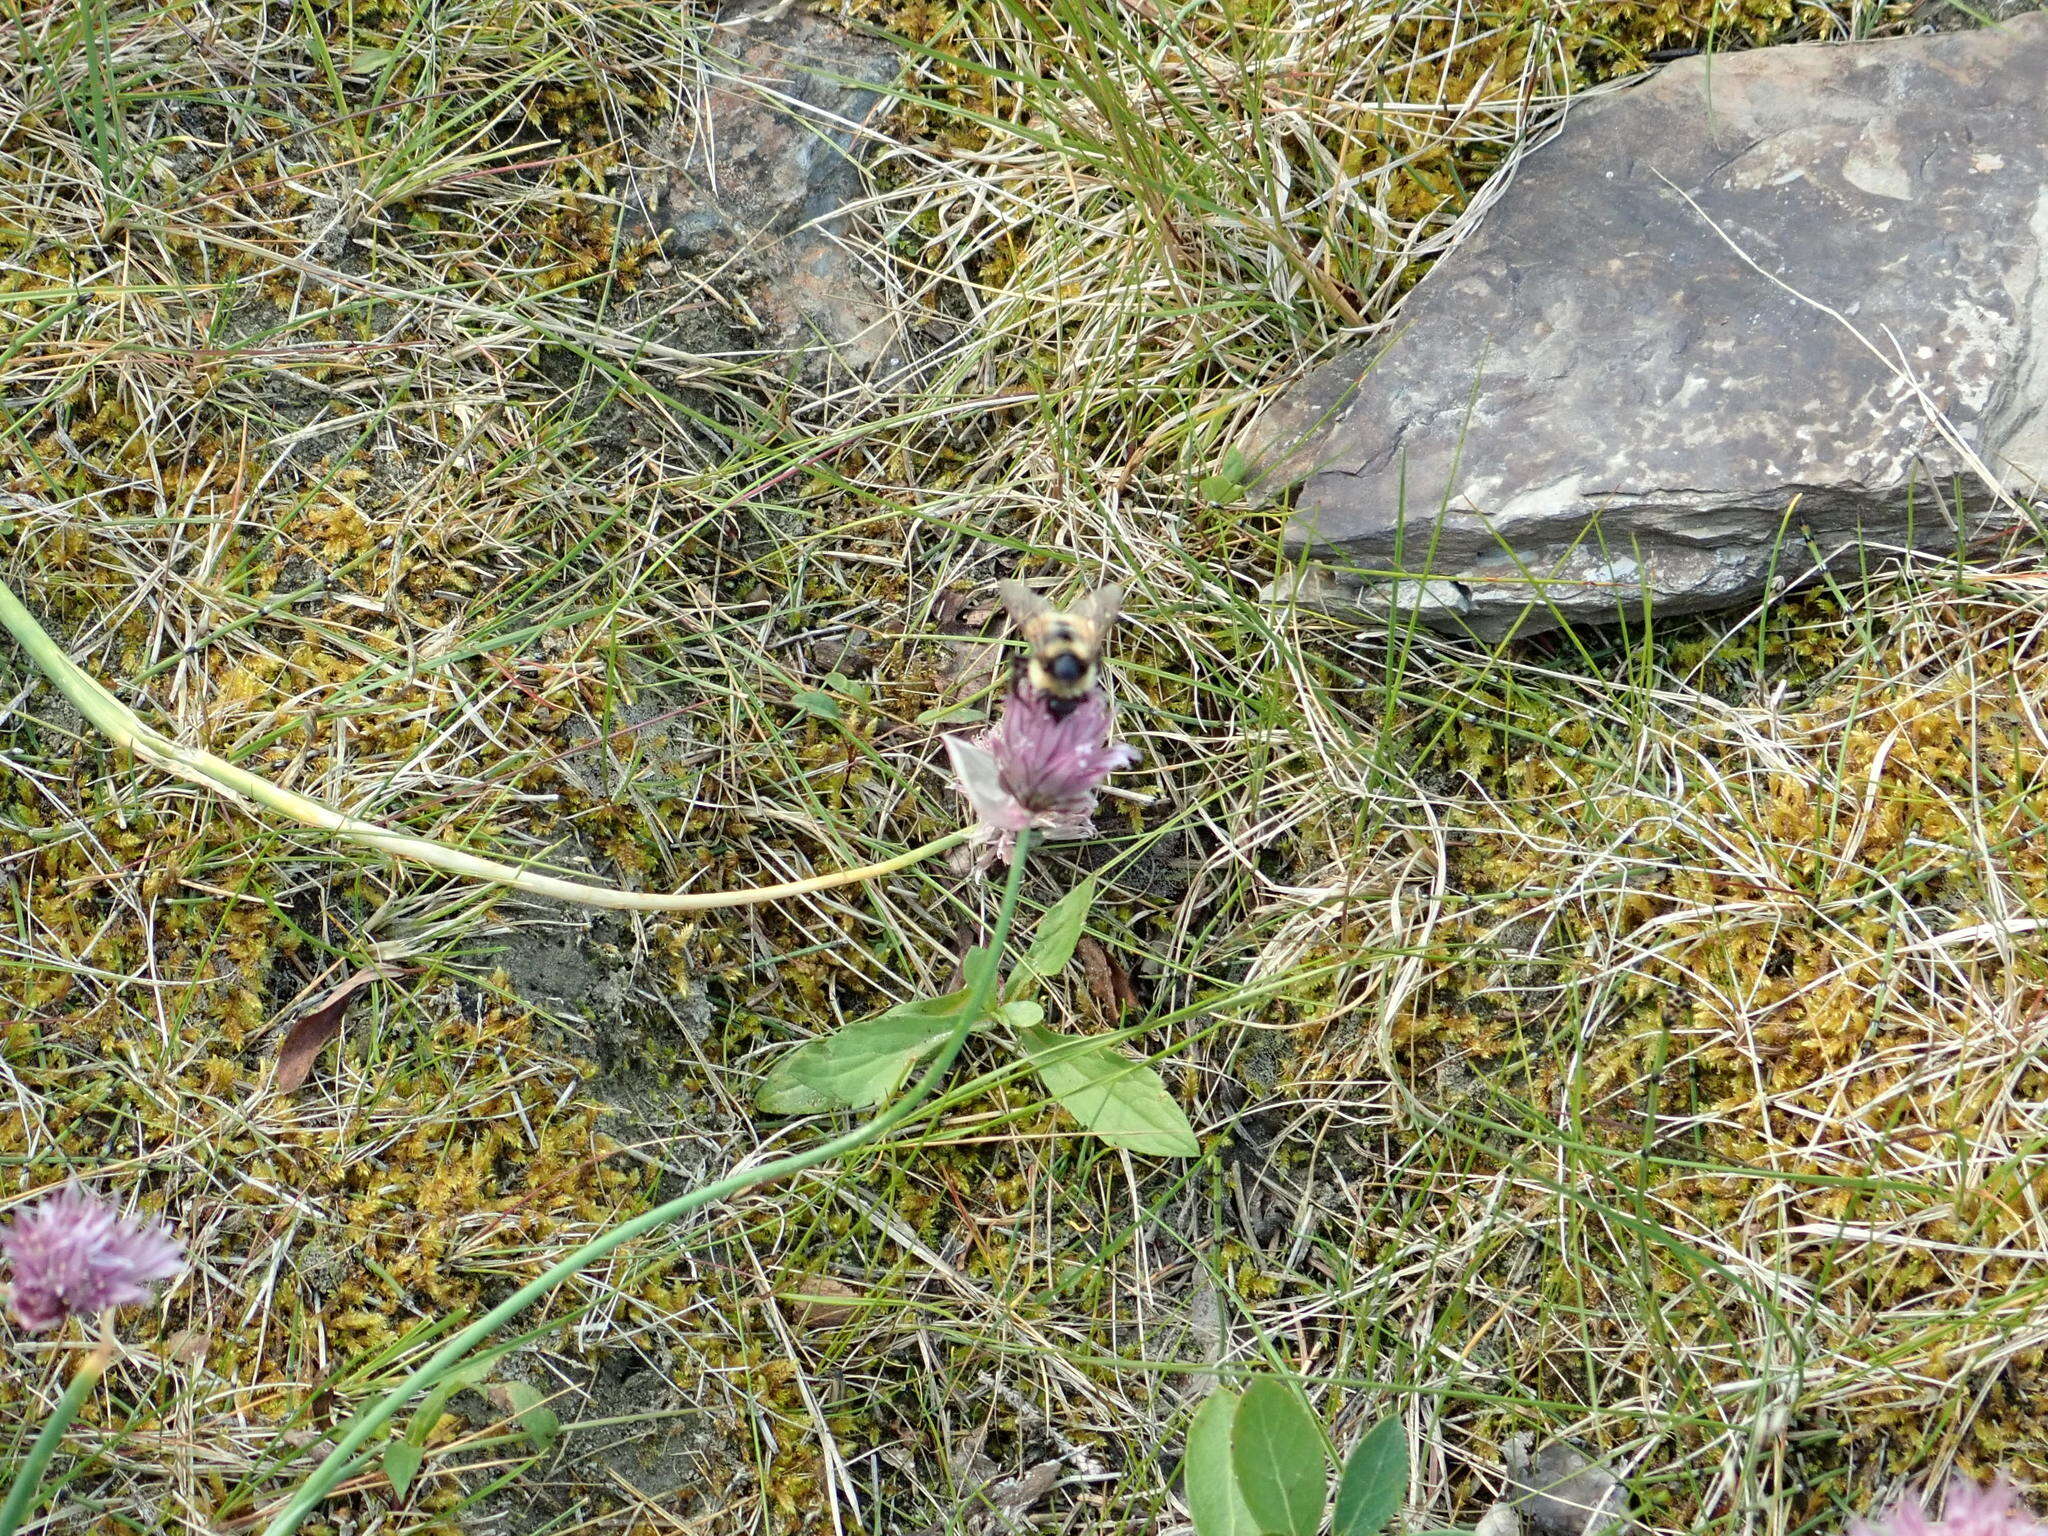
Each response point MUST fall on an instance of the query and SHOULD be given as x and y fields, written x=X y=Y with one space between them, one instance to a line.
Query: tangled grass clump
x=1627 y=1038
x=1759 y=978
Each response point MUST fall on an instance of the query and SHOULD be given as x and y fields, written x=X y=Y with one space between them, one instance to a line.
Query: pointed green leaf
x=1213 y=1497
x=863 y=1063
x=1375 y=1481
x=1226 y=483
x=1276 y=1450
x=1120 y=1100
x=951 y=714
x=1059 y=931
x=435 y=1403
x=527 y=1405
x=402 y=1460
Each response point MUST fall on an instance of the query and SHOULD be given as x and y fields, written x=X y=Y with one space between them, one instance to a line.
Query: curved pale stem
x=124 y=728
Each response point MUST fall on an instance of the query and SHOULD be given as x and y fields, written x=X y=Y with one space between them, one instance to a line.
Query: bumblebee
x=1066 y=643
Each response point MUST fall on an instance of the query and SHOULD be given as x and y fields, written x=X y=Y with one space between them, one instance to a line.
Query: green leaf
x=863 y=1063
x=435 y=1403
x=1213 y=1496
x=1120 y=1100
x=823 y=705
x=1021 y=1014
x=1276 y=1450
x=978 y=968
x=527 y=1405
x=402 y=1458
x=1375 y=1481
x=1227 y=483
x=1059 y=931
x=402 y=1461
x=952 y=714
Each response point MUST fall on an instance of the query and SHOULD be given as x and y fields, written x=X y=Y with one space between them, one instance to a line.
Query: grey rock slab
x=752 y=193
x=1955 y=15
x=1763 y=312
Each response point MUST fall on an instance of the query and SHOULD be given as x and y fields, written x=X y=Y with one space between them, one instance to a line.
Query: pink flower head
x=1037 y=767
x=1970 y=1511
x=74 y=1253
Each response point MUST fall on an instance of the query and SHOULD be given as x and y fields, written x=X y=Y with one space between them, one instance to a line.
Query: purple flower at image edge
x=74 y=1253
x=1036 y=769
x=1969 y=1511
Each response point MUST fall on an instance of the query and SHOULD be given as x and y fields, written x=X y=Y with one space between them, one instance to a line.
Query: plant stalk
x=21 y=1497
x=341 y=1460
x=125 y=728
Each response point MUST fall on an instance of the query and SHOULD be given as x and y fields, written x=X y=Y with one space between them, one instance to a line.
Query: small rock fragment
x=1561 y=1491
x=752 y=201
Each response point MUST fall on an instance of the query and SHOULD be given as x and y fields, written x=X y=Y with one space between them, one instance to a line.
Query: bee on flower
x=1039 y=766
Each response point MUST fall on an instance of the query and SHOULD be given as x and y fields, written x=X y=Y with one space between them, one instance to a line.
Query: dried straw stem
x=124 y=728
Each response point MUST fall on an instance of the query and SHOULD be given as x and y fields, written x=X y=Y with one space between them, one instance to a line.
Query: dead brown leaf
x=1017 y=1495
x=1108 y=982
x=820 y=1302
x=947 y=609
x=965 y=937
x=188 y=1346
x=311 y=1030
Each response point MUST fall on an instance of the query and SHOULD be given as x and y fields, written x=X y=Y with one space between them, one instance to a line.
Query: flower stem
x=122 y=726
x=366 y=1423
x=21 y=1497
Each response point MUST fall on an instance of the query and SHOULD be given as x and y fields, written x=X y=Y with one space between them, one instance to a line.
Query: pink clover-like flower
x=1038 y=768
x=74 y=1253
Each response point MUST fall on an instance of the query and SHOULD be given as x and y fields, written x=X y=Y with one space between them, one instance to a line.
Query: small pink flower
x=74 y=1253
x=1037 y=768
x=1970 y=1511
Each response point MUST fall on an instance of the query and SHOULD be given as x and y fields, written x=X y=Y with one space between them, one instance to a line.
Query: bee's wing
x=1023 y=603
x=1101 y=607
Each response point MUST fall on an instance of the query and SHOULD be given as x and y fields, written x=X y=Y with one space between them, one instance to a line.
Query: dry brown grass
x=1630 y=1038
